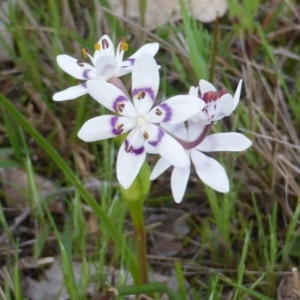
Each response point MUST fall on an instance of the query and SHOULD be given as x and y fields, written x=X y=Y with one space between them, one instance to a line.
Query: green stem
x=135 y=196
x=137 y=216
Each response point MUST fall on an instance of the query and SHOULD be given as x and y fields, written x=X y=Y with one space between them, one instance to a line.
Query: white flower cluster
x=160 y=129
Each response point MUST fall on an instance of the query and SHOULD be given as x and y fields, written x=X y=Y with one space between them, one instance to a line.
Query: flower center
x=141 y=121
x=211 y=98
x=213 y=95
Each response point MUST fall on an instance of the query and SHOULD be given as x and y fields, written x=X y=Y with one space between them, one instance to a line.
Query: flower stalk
x=137 y=217
x=135 y=196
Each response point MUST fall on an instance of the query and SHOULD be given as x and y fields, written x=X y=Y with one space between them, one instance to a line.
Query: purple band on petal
x=146 y=90
x=168 y=111
x=117 y=104
x=130 y=60
x=130 y=149
x=158 y=139
x=85 y=74
x=84 y=85
x=116 y=129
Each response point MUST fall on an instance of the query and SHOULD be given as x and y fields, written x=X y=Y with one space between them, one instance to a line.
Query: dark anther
x=120 y=107
x=158 y=112
x=222 y=92
x=210 y=96
x=120 y=128
x=128 y=148
x=141 y=95
x=80 y=63
x=146 y=135
x=105 y=44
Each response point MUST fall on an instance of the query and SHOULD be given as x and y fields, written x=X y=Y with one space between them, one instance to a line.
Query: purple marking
x=130 y=60
x=168 y=111
x=84 y=85
x=130 y=149
x=85 y=74
x=113 y=123
x=146 y=90
x=117 y=102
x=158 y=139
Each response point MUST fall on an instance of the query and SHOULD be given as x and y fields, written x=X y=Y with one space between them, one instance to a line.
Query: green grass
x=245 y=239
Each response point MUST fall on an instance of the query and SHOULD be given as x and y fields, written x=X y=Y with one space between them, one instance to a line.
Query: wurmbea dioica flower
x=139 y=119
x=208 y=169
x=217 y=104
x=195 y=141
x=105 y=65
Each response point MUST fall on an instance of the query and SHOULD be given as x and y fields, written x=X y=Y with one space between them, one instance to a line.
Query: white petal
x=230 y=141
x=179 y=130
x=179 y=180
x=175 y=110
x=150 y=149
x=210 y=171
x=145 y=83
x=205 y=87
x=161 y=166
x=193 y=91
x=194 y=130
x=105 y=127
x=121 y=72
x=166 y=146
x=111 y=97
x=201 y=116
x=75 y=67
x=237 y=94
x=119 y=54
x=106 y=48
x=70 y=93
x=106 y=67
x=131 y=157
x=151 y=49
x=224 y=107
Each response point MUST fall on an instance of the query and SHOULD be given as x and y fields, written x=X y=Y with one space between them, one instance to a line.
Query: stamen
x=120 y=128
x=120 y=107
x=222 y=92
x=80 y=63
x=210 y=96
x=128 y=148
x=146 y=135
x=85 y=52
x=158 y=112
x=141 y=95
x=105 y=44
x=124 y=45
x=97 y=47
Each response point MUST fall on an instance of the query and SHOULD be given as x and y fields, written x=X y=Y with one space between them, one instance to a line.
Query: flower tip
x=61 y=57
x=55 y=97
x=81 y=135
x=125 y=182
x=156 y=47
x=223 y=189
x=177 y=199
x=237 y=94
x=248 y=143
x=84 y=135
x=193 y=91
